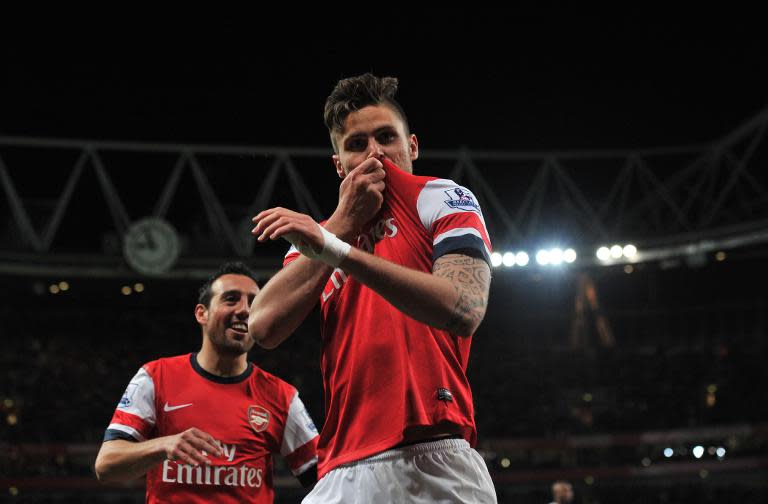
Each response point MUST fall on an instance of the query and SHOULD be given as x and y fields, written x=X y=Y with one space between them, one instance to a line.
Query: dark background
x=516 y=78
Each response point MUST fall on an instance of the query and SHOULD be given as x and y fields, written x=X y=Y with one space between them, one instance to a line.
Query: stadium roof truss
x=669 y=200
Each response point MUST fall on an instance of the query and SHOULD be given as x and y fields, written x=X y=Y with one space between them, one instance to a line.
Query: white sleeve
x=135 y=414
x=300 y=438
x=451 y=214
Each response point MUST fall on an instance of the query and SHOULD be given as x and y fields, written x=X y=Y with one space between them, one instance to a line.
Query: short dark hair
x=354 y=93
x=231 y=268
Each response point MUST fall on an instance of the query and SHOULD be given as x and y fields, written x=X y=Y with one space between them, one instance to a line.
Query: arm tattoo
x=471 y=277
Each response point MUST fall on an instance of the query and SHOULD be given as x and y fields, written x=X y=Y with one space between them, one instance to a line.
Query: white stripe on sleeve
x=456 y=232
x=299 y=427
x=139 y=398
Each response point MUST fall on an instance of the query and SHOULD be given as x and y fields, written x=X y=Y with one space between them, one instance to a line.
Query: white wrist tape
x=334 y=250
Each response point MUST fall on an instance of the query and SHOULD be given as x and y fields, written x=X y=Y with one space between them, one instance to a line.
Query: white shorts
x=444 y=471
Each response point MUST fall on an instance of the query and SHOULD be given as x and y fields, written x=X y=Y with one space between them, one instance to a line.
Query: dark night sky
x=502 y=79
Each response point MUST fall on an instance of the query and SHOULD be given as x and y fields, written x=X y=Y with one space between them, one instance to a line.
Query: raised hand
x=361 y=195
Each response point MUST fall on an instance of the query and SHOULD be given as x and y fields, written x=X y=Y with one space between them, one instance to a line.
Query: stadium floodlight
x=668 y=452
x=556 y=256
x=508 y=259
x=542 y=257
x=522 y=259
x=721 y=452
x=603 y=253
x=569 y=255
x=629 y=251
x=496 y=259
x=698 y=451
x=617 y=251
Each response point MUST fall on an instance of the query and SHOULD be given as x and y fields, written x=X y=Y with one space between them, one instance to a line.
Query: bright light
x=139 y=287
x=505 y=462
x=53 y=289
x=126 y=290
x=629 y=251
x=521 y=258
x=616 y=251
x=721 y=452
x=569 y=255
x=542 y=257
x=64 y=286
x=698 y=451
x=508 y=259
x=556 y=256
x=603 y=253
x=496 y=259
x=668 y=452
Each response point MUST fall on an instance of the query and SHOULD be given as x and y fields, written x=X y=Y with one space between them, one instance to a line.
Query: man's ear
x=413 y=144
x=337 y=165
x=201 y=314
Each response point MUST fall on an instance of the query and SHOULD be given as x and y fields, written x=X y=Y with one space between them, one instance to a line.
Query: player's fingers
x=267 y=231
x=211 y=441
x=184 y=452
x=379 y=186
x=265 y=223
x=377 y=174
x=366 y=166
x=195 y=452
x=265 y=213
x=283 y=230
x=203 y=441
x=307 y=231
x=204 y=445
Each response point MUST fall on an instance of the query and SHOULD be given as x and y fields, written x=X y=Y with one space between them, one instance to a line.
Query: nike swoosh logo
x=167 y=408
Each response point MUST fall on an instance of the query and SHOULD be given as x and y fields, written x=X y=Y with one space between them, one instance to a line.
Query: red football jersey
x=386 y=374
x=251 y=416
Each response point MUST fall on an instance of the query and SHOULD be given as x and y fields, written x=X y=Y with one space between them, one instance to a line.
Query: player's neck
x=221 y=365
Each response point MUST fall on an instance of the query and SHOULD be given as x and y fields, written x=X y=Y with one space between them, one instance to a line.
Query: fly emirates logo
x=385 y=228
x=243 y=476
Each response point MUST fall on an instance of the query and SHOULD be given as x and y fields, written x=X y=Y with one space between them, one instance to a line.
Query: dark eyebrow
x=230 y=292
x=377 y=131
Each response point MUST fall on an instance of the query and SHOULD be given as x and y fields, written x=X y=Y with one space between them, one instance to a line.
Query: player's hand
x=280 y=222
x=361 y=195
x=189 y=447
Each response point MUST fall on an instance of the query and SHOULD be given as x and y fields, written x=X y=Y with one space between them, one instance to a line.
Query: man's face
x=563 y=493
x=376 y=130
x=225 y=321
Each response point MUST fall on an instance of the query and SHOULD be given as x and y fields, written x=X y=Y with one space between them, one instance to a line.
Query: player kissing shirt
x=386 y=375
x=251 y=416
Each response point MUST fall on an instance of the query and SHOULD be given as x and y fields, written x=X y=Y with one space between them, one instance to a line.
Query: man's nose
x=243 y=308
x=374 y=149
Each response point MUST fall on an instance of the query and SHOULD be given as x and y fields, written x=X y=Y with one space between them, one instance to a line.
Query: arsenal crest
x=258 y=417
